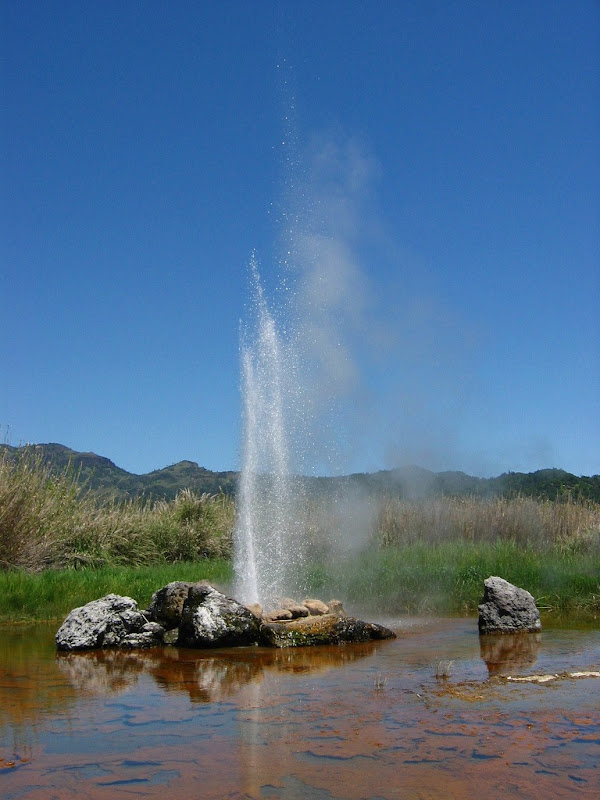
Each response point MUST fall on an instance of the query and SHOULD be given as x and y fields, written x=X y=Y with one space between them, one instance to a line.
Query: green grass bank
x=447 y=578
x=50 y=595
x=416 y=580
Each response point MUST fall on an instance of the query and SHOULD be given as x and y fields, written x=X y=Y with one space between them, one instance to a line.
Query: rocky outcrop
x=321 y=629
x=210 y=619
x=506 y=608
x=111 y=621
x=198 y=615
x=288 y=609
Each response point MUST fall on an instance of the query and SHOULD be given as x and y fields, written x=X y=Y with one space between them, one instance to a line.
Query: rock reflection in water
x=205 y=677
x=102 y=672
x=509 y=653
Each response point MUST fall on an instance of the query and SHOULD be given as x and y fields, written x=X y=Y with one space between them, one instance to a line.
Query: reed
x=50 y=522
x=432 y=556
x=567 y=526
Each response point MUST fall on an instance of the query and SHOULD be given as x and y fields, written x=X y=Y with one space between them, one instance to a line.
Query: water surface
x=356 y=721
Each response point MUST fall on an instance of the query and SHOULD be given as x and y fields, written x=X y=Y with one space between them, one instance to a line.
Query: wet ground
x=428 y=715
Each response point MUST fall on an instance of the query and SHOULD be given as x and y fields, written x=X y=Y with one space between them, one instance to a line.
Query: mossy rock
x=325 y=629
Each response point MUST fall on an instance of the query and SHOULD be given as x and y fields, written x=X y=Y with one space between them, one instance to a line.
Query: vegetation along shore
x=63 y=543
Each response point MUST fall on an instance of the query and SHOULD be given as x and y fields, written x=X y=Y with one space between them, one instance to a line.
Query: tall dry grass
x=49 y=521
x=567 y=526
x=432 y=556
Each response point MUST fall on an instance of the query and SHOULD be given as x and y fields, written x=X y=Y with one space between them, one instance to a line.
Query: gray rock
x=322 y=629
x=506 y=608
x=111 y=621
x=166 y=605
x=210 y=619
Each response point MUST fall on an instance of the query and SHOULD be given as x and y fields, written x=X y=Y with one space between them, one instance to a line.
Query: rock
x=507 y=609
x=166 y=605
x=286 y=602
x=256 y=609
x=210 y=619
x=111 y=621
x=171 y=636
x=316 y=608
x=278 y=615
x=198 y=615
x=152 y=634
x=336 y=607
x=297 y=611
x=322 y=629
x=293 y=606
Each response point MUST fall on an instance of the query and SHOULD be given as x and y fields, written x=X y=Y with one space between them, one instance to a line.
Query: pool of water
x=431 y=714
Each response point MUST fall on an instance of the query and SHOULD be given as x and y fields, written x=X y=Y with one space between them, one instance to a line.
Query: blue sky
x=447 y=152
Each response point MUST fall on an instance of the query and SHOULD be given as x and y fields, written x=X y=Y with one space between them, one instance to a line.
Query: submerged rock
x=506 y=608
x=321 y=629
x=111 y=621
x=210 y=619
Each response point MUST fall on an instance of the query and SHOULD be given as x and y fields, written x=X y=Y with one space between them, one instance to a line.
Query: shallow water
x=356 y=721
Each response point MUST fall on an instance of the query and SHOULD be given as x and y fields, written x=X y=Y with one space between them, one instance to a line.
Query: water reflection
x=509 y=653
x=30 y=684
x=205 y=676
x=261 y=723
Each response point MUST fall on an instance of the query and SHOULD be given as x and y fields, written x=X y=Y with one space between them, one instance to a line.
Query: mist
x=385 y=372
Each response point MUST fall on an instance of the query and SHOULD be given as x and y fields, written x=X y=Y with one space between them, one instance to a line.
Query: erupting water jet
x=268 y=548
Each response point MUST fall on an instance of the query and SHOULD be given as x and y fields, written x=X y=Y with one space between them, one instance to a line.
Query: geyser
x=299 y=377
x=268 y=543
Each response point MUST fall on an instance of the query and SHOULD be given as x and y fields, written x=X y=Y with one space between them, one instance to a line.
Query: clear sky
x=447 y=152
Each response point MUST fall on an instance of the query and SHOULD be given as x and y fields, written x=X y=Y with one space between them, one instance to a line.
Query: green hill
x=104 y=477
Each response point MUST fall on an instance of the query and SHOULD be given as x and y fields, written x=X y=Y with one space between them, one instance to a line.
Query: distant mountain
x=415 y=482
x=101 y=475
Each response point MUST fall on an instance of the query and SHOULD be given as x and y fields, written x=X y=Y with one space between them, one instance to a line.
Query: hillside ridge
x=102 y=476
